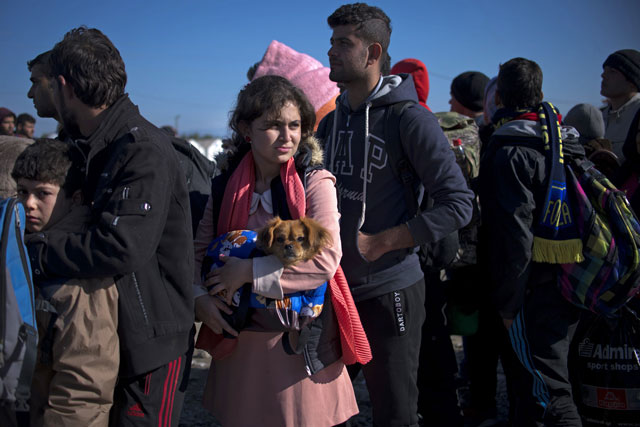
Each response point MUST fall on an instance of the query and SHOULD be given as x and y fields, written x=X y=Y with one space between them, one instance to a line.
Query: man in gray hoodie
x=379 y=238
x=621 y=86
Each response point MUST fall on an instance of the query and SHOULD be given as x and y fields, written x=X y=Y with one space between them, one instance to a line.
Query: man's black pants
x=393 y=324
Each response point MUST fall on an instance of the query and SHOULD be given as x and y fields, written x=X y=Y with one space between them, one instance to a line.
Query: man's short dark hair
x=88 y=60
x=520 y=84
x=372 y=26
x=42 y=60
x=25 y=118
x=51 y=161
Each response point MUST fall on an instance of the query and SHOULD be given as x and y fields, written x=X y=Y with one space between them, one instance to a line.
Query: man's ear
x=497 y=98
x=77 y=198
x=374 y=53
x=65 y=87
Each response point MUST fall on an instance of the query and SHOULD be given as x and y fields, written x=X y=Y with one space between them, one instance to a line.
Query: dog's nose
x=288 y=247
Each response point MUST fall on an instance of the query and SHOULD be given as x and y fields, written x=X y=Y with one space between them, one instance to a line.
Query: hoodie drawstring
x=334 y=142
x=366 y=165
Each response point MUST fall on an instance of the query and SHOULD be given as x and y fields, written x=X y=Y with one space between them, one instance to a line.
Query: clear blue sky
x=189 y=58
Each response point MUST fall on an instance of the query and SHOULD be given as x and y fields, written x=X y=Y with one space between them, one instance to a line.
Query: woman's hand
x=227 y=279
x=208 y=310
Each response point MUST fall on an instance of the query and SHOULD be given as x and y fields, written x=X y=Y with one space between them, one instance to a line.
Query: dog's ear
x=318 y=236
x=265 y=234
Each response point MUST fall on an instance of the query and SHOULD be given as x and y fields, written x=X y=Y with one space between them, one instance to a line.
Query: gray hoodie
x=378 y=203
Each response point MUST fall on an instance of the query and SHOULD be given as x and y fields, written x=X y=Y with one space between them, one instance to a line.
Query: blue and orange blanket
x=294 y=310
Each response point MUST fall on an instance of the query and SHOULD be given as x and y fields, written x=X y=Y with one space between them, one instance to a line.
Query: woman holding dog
x=252 y=380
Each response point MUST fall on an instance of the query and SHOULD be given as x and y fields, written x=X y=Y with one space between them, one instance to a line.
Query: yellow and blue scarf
x=556 y=239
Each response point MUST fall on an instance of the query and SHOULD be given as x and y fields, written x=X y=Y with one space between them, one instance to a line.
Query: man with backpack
x=379 y=235
x=139 y=227
x=525 y=236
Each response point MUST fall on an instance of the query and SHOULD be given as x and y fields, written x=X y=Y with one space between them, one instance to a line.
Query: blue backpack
x=18 y=333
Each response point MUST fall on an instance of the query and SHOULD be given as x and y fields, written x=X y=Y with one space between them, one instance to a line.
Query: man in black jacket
x=140 y=231
x=514 y=182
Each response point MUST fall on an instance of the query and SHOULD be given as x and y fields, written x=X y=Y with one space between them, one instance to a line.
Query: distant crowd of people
x=120 y=215
x=22 y=125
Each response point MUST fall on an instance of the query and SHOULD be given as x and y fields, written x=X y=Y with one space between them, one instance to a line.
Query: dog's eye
x=280 y=239
x=301 y=239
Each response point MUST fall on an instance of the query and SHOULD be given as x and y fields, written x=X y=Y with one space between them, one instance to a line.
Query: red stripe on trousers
x=147 y=384
x=173 y=374
x=164 y=393
x=175 y=386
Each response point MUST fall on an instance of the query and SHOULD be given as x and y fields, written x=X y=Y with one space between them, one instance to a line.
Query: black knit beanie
x=468 y=89
x=627 y=61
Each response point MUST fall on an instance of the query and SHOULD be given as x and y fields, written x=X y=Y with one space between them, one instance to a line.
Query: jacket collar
x=113 y=123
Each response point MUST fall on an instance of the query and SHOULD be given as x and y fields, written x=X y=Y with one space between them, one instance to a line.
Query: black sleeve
x=128 y=228
x=511 y=214
x=428 y=150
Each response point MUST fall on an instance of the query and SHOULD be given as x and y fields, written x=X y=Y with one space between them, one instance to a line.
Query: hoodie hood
x=588 y=120
x=389 y=90
x=529 y=129
x=420 y=76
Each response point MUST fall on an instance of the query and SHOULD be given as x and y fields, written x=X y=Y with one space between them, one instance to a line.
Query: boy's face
x=45 y=203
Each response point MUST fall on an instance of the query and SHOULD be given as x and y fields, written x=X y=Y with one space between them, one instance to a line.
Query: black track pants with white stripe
x=541 y=335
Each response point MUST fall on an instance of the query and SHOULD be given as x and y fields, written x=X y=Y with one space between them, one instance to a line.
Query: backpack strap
x=29 y=336
x=581 y=165
x=398 y=160
x=433 y=255
x=218 y=185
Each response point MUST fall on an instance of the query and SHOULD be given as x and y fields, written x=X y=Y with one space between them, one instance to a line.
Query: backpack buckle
x=21 y=404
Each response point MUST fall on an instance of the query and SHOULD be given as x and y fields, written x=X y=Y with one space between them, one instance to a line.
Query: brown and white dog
x=293 y=241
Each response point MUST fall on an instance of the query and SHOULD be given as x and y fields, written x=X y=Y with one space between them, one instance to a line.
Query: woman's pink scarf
x=234 y=215
x=234 y=212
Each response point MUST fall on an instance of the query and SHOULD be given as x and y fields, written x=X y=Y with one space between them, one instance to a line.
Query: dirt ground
x=194 y=415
